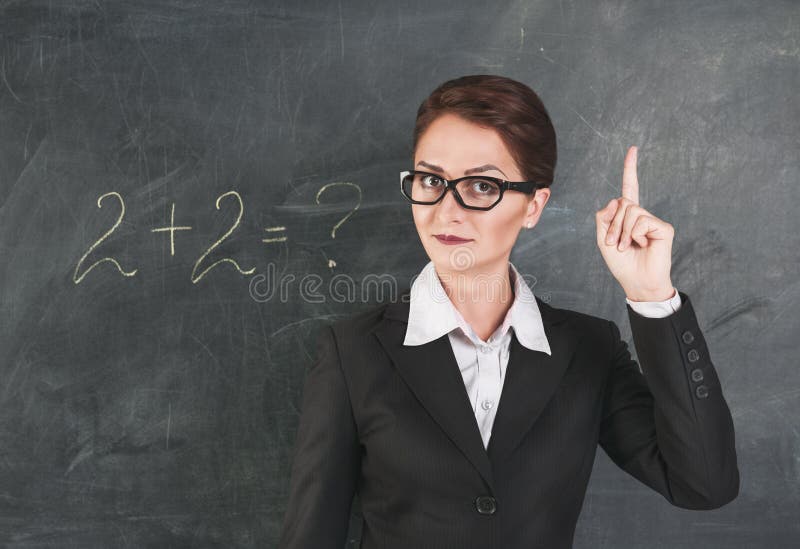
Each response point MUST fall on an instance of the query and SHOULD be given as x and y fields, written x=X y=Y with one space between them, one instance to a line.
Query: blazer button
x=693 y=355
x=701 y=391
x=687 y=336
x=486 y=505
x=697 y=374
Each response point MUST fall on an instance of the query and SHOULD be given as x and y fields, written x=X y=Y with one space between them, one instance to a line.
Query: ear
x=536 y=205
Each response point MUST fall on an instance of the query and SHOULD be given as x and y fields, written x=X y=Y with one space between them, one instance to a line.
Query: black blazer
x=394 y=423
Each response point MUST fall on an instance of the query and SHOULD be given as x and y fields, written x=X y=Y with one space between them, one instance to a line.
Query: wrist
x=661 y=294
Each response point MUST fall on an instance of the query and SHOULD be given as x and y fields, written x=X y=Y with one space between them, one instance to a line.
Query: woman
x=470 y=416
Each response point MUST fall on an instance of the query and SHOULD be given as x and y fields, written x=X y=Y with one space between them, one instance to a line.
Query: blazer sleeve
x=669 y=425
x=326 y=458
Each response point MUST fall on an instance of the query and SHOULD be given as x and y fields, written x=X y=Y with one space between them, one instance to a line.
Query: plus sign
x=171 y=228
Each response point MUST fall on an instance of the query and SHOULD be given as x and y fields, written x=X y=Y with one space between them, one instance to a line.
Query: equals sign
x=272 y=230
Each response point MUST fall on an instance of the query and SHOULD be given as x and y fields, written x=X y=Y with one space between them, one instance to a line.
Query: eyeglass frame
x=527 y=187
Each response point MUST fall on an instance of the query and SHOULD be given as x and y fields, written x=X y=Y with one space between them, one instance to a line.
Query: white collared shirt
x=483 y=363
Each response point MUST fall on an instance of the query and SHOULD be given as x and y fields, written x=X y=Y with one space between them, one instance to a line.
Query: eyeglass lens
x=474 y=191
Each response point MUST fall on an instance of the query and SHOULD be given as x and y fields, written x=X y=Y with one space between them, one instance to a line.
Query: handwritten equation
x=198 y=272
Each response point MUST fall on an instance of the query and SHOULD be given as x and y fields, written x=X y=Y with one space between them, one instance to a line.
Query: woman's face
x=450 y=147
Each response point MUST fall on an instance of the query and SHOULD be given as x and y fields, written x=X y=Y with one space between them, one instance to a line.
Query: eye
x=483 y=186
x=431 y=180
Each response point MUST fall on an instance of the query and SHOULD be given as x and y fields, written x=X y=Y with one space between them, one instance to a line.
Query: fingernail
x=610 y=239
x=621 y=246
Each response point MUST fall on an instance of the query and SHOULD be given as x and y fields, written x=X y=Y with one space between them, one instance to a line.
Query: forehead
x=458 y=144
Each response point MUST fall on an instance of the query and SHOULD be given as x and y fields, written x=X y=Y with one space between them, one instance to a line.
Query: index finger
x=630 y=183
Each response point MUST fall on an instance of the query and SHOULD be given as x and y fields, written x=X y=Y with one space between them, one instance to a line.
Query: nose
x=448 y=207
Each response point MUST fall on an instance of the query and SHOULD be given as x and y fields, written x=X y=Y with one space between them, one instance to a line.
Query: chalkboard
x=190 y=190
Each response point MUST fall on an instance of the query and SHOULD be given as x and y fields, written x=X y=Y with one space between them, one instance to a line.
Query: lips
x=451 y=238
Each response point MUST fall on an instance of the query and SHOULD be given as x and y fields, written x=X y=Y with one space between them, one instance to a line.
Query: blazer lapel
x=431 y=372
x=531 y=379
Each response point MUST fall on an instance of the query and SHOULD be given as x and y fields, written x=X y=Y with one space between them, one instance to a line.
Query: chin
x=461 y=258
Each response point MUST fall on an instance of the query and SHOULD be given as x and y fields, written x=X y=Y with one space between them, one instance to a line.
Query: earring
x=529 y=225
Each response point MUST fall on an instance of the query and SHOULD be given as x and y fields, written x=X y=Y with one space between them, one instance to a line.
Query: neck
x=483 y=297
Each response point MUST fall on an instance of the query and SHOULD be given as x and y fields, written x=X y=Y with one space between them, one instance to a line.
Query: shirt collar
x=432 y=314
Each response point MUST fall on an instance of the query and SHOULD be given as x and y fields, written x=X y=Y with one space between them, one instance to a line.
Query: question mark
x=331 y=262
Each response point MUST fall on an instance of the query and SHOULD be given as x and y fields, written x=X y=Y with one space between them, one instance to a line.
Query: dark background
x=159 y=409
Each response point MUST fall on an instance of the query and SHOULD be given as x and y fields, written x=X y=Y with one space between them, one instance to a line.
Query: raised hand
x=636 y=245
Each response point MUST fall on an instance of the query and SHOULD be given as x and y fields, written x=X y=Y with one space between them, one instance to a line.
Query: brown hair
x=505 y=105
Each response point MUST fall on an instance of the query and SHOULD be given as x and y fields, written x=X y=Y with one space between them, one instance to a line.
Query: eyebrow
x=484 y=168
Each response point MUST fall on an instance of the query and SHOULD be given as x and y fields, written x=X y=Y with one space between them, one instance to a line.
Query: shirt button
x=701 y=391
x=687 y=336
x=693 y=355
x=697 y=374
x=486 y=349
x=487 y=404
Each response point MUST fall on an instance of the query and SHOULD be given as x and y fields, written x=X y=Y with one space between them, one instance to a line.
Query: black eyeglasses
x=474 y=192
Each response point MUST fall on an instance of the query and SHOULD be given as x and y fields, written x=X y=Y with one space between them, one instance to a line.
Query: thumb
x=605 y=216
